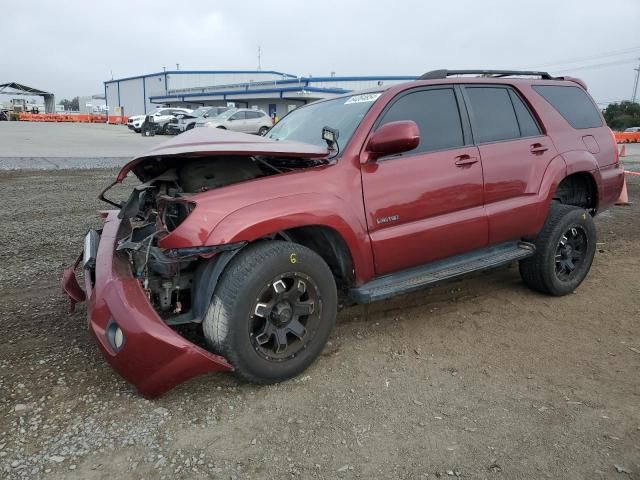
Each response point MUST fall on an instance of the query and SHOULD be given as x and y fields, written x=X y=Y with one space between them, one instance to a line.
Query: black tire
x=236 y=321
x=165 y=129
x=221 y=127
x=262 y=131
x=190 y=126
x=549 y=269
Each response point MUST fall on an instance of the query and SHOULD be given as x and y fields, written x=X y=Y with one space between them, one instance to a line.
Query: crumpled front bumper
x=153 y=357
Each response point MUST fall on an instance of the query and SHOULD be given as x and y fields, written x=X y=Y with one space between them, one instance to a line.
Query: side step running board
x=415 y=278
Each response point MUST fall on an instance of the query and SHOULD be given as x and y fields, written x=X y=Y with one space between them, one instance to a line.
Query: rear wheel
x=273 y=311
x=263 y=130
x=564 y=251
x=190 y=126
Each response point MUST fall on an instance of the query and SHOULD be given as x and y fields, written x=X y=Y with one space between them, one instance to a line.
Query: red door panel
x=424 y=207
x=513 y=171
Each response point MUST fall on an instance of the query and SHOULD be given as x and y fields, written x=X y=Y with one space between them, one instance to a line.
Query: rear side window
x=572 y=103
x=436 y=114
x=494 y=118
x=526 y=122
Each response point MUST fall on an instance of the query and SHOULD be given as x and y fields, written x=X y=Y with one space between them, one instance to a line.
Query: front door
x=238 y=121
x=426 y=204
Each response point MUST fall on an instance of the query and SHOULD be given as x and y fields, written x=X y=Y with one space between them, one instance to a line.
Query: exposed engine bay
x=175 y=279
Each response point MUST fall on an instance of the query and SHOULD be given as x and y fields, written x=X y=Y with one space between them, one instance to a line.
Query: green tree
x=622 y=115
x=73 y=104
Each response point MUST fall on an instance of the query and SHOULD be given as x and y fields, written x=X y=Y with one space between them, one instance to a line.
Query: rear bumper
x=612 y=179
x=153 y=357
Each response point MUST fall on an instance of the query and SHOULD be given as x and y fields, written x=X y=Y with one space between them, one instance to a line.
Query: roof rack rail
x=442 y=74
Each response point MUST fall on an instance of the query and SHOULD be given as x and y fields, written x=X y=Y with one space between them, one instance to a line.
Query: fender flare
x=262 y=219
x=582 y=161
x=557 y=170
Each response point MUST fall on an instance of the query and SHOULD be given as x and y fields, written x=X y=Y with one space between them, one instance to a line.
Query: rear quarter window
x=572 y=103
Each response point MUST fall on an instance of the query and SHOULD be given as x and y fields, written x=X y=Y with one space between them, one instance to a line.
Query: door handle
x=538 y=148
x=465 y=160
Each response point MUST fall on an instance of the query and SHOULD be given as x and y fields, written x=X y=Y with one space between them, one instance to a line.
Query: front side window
x=436 y=113
x=572 y=103
x=239 y=116
x=493 y=116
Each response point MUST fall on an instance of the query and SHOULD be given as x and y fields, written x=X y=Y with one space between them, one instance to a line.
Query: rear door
x=515 y=153
x=253 y=121
x=427 y=203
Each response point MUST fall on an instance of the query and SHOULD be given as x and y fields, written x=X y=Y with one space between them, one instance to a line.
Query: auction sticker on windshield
x=363 y=98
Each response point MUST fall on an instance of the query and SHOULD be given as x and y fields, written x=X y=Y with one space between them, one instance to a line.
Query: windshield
x=305 y=123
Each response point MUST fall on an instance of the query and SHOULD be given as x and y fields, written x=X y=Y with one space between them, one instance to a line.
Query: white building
x=274 y=92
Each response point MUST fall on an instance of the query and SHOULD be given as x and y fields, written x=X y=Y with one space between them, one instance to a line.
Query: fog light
x=118 y=338
x=115 y=335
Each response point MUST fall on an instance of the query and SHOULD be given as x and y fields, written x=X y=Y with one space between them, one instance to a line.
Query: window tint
x=494 y=117
x=572 y=103
x=528 y=125
x=239 y=116
x=436 y=114
x=253 y=115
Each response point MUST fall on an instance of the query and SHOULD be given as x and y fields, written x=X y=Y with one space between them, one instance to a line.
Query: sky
x=71 y=47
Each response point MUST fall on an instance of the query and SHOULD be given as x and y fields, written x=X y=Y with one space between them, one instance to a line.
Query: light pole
x=635 y=84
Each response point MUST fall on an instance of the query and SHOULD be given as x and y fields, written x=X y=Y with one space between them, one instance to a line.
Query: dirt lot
x=480 y=378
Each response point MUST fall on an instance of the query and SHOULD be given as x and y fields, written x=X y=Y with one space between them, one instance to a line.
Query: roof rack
x=441 y=74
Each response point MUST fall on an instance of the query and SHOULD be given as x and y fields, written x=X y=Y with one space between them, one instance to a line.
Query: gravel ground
x=480 y=378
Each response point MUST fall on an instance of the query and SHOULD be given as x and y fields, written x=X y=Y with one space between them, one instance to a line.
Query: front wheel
x=564 y=251
x=263 y=131
x=273 y=311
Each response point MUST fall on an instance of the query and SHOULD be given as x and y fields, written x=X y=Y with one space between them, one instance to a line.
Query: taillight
x=616 y=156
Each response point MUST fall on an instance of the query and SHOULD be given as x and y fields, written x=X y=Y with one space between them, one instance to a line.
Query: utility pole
x=635 y=85
x=259 y=59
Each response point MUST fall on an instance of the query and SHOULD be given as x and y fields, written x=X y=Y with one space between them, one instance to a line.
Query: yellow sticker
x=292 y=258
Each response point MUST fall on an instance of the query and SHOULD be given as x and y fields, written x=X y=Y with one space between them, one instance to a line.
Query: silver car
x=242 y=120
x=197 y=118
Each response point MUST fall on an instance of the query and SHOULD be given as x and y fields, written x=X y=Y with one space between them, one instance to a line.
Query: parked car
x=161 y=118
x=257 y=240
x=632 y=129
x=242 y=120
x=198 y=117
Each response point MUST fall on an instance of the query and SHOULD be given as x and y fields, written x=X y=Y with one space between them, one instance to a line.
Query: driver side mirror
x=392 y=138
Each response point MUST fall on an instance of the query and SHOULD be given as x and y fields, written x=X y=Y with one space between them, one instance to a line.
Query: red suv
x=360 y=197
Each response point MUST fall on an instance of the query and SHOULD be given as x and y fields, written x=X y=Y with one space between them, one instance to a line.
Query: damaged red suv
x=256 y=240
